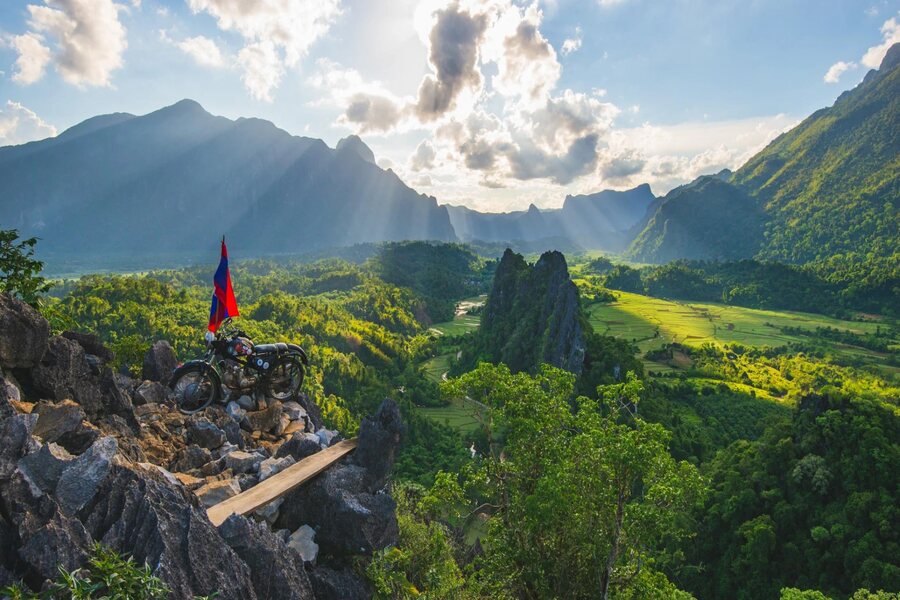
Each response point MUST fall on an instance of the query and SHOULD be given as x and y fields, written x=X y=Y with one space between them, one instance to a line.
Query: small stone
x=235 y=411
x=271 y=466
x=243 y=462
x=191 y=457
x=144 y=410
x=294 y=427
x=246 y=402
x=283 y=425
x=205 y=434
x=269 y=512
x=326 y=436
x=303 y=542
x=217 y=491
x=189 y=481
x=294 y=410
x=80 y=481
x=264 y=420
x=149 y=392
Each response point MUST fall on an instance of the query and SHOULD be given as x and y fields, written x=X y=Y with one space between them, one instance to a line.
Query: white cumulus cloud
x=833 y=75
x=18 y=125
x=277 y=34
x=89 y=41
x=572 y=44
x=890 y=32
x=203 y=50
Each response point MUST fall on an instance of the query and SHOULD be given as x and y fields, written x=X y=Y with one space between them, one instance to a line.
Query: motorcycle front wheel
x=286 y=378
x=195 y=388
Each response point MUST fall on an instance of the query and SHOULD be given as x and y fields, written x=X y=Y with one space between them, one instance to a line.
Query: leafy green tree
x=19 y=270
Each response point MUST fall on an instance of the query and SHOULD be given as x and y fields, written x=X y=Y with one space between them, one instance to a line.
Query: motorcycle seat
x=278 y=348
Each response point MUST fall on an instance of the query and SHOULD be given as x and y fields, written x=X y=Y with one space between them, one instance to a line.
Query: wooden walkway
x=279 y=484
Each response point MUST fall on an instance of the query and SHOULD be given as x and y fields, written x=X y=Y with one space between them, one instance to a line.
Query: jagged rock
x=140 y=514
x=378 y=440
x=276 y=572
x=129 y=446
x=217 y=491
x=188 y=481
x=63 y=373
x=243 y=462
x=149 y=392
x=167 y=475
x=23 y=407
x=347 y=518
x=206 y=435
x=312 y=411
x=91 y=344
x=235 y=411
x=192 y=457
x=263 y=420
x=271 y=466
x=299 y=446
x=247 y=481
x=246 y=402
x=63 y=422
x=294 y=411
x=15 y=441
x=23 y=334
x=293 y=428
x=159 y=362
x=45 y=466
x=338 y=584
x=326 y=436
x=10 y=390
x=303 y=542
x=269 y=512
x=282 y=425
x=80 y=481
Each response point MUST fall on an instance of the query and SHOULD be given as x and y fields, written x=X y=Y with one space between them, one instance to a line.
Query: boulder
x=81 y=479
x=263 y=420
x=338 y=584
x=45 y=466
x=91 y=343
x=377 y=443
x=159 y=362
x=271 y=466
x=149 y=392
x=326 y=436
x=312 y=411
x=276 y=572
x=243 y=462
x=206 y=435
x=217 y=491
x=64 y=423
x=303 y=543
x=283 y=424
x=235 y=411
x=246 y=402
x=269 y=512
x=23 y=334
x=63 y=373
x=299 y=446
x=347 y=518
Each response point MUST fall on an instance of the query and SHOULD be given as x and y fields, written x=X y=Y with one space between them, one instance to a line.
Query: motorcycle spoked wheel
x=195 y=389
x=285 y=379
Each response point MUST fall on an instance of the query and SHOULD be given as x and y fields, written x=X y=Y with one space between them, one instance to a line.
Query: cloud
x=453 y=53
x=277 y=34
x=572 y=44
x=836 y=70
x=609 y=3
x=423 y=157
x=890 y=32
x=33 y=58
x=367 y=106
x=89 y=40
x=19 y=125
x=203 y=50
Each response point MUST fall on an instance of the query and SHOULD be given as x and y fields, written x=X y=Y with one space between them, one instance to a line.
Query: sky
x=493 y=104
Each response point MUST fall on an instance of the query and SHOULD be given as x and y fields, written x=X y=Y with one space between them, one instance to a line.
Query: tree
x=585 y=496
x=19 y=272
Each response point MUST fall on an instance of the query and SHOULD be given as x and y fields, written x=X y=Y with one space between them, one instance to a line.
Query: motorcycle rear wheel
x=286 y=378
x=195 y=388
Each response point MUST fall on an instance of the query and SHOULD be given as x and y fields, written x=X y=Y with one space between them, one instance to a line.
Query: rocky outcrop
x=23 y=334
x=532 y=316
x=80 y=464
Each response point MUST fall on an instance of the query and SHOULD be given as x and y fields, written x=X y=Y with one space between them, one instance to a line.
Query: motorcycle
x=234 y=363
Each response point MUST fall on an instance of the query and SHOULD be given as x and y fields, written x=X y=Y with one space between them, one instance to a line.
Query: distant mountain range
x=171 y=181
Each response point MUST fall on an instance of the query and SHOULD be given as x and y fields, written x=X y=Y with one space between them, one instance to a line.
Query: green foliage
x=584 y=499
x=108 y=576
x=811 y=504
x=19 y=271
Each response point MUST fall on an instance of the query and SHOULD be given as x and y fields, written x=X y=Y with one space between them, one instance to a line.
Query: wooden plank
x=279 y=484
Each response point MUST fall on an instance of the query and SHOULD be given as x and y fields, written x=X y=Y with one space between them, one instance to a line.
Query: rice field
x=463 y=322
x=652 y=322
x=459 y=414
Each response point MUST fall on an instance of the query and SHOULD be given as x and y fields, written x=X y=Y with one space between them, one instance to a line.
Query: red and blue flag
x=224 y=304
